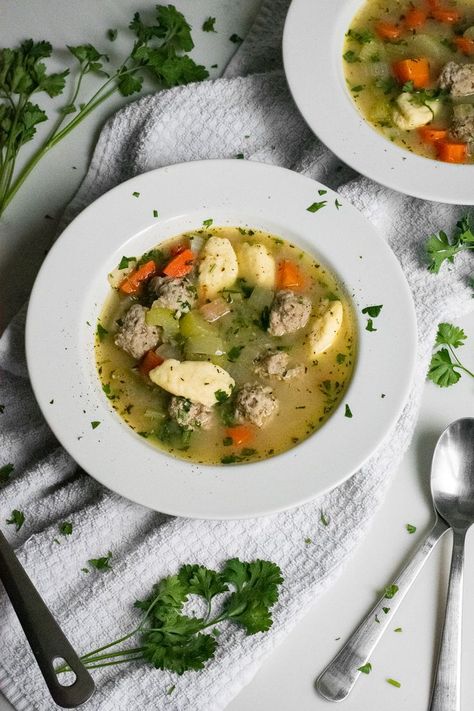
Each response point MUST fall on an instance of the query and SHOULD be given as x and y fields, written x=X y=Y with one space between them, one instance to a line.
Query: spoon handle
x=447 y=685
x=339 y=677
x=46 y=639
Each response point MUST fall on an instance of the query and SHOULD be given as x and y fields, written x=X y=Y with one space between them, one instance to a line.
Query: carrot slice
x=177 y=249
x=428 y=134
x=415 y=18
x=452 y=152
x=465 y=45
x=445 y=14
x=288 y=276
x=180 y=265
x=149 y=361
x=240 y=434
x=388 y=30
x=132 y=283
x=414 y=70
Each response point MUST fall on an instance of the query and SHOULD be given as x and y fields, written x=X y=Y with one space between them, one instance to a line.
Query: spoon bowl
x=452 y=480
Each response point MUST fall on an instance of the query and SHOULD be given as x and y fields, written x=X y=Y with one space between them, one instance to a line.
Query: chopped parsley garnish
x=2 y=409
x=394 y=682
x=322 y=192
x=445 y=367
x=386 y=610
x=112 y=35
x=323 y=518
x=365 y=668
x=362 y=37
x=308 y=541
x=347 y=411
x=235 y=39
x=155 y=213
x=397 y=629
x=387 y=85
x=315 y=206
x=440 y=248
x=337 y=204
x=227 y=441
x=350 y=56
x=221 y=395
x=240 y=156
x=372 y=311
x=125 y=261
x=101 y=563
x=5 y=472
x=265 y=318
x=101 y=331
x=65 y=528
x=208 y=25
x=135 y=194
x=170 y=690
x=390 y=591
x=208 y=222
x=370 y=326
x=95 y=424
x=234 y=353
x=356 y=89
x=410 y=528
x=340 y=358
x=17 y=518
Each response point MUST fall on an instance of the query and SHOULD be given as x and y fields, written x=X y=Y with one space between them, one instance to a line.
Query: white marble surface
x=286 y=680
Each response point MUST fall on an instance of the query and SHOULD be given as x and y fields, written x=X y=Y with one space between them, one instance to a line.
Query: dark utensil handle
x=43 y=633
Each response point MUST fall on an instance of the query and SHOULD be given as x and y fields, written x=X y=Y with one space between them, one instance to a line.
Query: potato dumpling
x=325 y=327
x=408 y=115
x=197 y=381
x=256 y=265
x=218 y=268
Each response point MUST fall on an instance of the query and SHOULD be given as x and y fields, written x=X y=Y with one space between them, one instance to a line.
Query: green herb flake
x=17 y=519
x=112 y=35
x=323 y=518
x=370 y=326
x=65 y=528
x=390 y=591
x=221 y=396
x=227 y=441
x=340 y=358
x=240 y=156
x=208 y=25
x=386 y=610
x=95 y=424
x=350 y=56
x=322 y=192
x=234 y=353
x=356 y=89
x=315 y=206
x=410 y=528
x=235 y=39
x=337 y=204
x=394 y=682
x=155 y=213
x=208 y=222
x=125 y=261
x=365 y=668
x=2 y=409
x=308 y=541
x=85 y=570
x=101 y=331
x=136 y=194
x=347 y=411
x=170 y=690
x=397 y=629
x=5 y=472
x=372 y=311
x=103 y=563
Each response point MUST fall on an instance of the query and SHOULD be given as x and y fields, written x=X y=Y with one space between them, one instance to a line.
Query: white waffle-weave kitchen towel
x=249 y=111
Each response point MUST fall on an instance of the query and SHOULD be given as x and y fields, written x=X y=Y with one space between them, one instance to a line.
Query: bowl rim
x=325 y=103
x=66 y=384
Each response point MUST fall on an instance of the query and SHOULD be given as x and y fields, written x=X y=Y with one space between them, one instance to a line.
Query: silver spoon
x=339 y=677
x=453 y=491
x=47 y=641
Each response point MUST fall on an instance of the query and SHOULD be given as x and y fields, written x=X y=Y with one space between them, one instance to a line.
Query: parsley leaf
x=372 y=311
x=347 y=411
x=208 y=25
x=365 y=668
x=17 y=518
x=315 y=206
x=440 y=248
x=221 y=396
x=5 y=472
x=445 y=367
x=65 y=528
x=390 y=591
x=370 y=326
x=101 y=563
x=410 y=528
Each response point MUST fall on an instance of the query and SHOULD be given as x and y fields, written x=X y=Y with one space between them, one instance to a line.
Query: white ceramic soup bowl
x=313 y=42
x=72 y=286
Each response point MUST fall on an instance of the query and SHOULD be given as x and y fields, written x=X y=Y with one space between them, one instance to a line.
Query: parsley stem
x=459 y=364
x=118 y=661
x=111 y=644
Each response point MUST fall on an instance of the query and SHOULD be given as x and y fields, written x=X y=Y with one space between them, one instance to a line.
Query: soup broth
x=247 y=345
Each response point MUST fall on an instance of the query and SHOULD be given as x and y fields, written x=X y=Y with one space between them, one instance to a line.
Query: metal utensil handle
x=43 y=633
x=447 y=685
x=339 y=677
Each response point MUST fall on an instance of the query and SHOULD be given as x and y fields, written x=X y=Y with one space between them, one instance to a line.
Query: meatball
x=457 y=78
x=462 y=125
x=255 y=404
x=289 y=313
x=135 y=336
x=178 y=295
x=276 y=365
x=190 y=415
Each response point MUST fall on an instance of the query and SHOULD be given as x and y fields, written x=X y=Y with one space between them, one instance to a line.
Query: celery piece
x=158 y=316
x=206 y=344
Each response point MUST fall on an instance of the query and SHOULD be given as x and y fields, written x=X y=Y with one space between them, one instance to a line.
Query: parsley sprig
x=159 y=50
x=179 y=642
x=445 y=367
x=440 y=248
